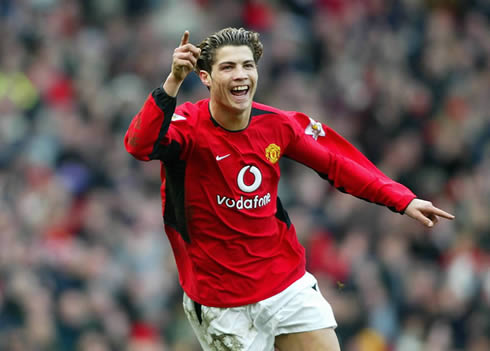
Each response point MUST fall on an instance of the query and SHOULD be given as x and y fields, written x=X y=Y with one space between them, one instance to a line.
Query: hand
x=426 y=213
x=184 y=58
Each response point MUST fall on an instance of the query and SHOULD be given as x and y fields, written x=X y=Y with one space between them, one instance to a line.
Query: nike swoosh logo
x=219 y=158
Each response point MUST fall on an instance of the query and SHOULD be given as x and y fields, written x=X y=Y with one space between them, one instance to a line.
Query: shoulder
x=190 y=111
x=293 y=119
x=259 y=109
x=270 y=115
x=262 y=109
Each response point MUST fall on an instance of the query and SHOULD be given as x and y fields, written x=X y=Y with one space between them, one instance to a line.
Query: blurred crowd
x=84 y=261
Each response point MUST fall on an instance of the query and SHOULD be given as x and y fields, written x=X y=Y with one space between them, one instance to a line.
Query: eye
x=226 y=67
x=249 y=65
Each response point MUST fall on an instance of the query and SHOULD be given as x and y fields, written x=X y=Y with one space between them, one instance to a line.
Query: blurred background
x=84 y=261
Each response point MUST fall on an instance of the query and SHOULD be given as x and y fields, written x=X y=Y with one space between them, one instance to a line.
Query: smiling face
x=232 y=82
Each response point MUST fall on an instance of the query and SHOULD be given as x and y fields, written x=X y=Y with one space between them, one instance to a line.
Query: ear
x=205 y=78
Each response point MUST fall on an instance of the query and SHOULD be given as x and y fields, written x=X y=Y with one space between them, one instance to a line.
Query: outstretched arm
x=426 y=213
x=335 y=159
x=346 y=168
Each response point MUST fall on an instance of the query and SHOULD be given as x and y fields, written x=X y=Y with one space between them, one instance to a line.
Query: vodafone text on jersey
x=246 y=202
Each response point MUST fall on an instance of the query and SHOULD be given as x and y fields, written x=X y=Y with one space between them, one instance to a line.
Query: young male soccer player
x=240 y=264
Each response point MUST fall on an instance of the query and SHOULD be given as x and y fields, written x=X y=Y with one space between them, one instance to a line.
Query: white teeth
x=242 y=87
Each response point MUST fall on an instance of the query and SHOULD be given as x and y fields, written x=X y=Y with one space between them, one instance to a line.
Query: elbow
x=134 y=149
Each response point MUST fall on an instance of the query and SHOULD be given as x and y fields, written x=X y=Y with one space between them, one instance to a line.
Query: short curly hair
x=224 y=37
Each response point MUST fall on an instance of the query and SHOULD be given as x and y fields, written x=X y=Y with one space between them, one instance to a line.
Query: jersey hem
x=297 y=276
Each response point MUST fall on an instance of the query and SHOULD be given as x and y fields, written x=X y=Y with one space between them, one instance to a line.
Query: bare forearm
x=172 y=85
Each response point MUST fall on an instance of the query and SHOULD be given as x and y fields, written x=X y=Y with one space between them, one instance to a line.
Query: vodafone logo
x=249 y=179
x=257 y=179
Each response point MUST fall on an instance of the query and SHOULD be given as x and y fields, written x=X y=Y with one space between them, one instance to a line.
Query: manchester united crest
x=273 y=152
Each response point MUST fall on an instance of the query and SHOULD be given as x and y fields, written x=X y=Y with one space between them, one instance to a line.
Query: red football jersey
x=232 y=239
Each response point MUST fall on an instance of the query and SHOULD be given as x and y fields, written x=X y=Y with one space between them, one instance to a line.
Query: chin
x=241 y=107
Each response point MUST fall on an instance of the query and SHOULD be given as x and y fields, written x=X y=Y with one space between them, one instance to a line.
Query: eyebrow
x=234 y=62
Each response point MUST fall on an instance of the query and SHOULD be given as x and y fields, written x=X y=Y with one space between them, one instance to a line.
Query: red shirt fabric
x=232 y=240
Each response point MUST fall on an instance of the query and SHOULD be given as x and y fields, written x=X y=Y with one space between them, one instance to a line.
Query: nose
x=240 y=73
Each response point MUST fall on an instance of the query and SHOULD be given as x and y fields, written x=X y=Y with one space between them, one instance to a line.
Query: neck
x=228 y=118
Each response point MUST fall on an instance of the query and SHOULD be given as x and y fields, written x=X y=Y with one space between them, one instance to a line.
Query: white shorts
x=299 y=308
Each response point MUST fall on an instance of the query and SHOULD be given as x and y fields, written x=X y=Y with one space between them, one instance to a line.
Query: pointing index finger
x=185 y=38
x=441 y=213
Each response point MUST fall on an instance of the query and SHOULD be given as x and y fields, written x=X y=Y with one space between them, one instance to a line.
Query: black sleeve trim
x=167 y=104
x=175 y=210
x=341 y=189
x=281 y=213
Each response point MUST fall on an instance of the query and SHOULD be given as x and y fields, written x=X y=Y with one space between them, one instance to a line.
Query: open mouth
x=240 y=90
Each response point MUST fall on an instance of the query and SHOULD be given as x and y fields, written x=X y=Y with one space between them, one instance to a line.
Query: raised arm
x=184 y=61
x=149 y=127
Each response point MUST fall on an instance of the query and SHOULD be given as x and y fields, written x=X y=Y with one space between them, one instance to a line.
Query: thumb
x=424 y=220
x=419 y=216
